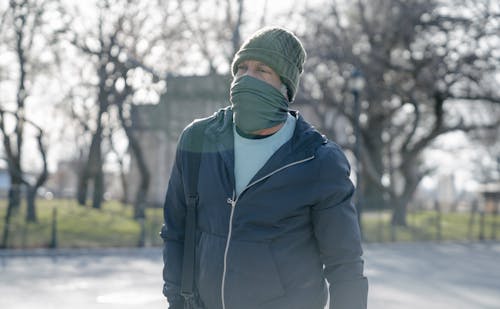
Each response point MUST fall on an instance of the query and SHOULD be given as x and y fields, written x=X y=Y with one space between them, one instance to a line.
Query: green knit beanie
x=278 y=48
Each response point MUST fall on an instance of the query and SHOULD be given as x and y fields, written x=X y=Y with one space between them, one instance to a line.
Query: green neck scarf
x=256 y=104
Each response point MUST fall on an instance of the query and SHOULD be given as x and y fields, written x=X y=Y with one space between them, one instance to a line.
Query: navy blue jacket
x=274 y=245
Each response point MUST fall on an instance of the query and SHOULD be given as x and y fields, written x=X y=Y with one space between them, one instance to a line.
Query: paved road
x=406 y=276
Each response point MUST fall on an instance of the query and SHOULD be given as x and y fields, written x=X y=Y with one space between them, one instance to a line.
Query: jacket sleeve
x=337 y=232
x=172 y=232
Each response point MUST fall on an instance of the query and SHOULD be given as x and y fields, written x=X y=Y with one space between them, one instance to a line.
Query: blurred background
x=94 y=95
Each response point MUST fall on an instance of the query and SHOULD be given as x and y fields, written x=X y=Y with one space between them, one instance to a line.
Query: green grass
x=423 y=226
x=81 y=226
x=114 y=226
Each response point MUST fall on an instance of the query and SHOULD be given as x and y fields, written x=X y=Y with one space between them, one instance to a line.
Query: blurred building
x=158 y=126
x=490 y=194
x=63 y=182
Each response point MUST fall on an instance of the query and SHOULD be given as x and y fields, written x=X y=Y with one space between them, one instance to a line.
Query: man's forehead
x=255 y=62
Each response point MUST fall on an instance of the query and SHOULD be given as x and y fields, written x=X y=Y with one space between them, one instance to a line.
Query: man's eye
x=242 y=68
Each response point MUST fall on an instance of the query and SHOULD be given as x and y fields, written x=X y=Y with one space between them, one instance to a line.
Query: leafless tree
x=211 y=33
x=92 y=169
x=124 y=48
x=135 y=60
x=420 y=60
x=26 y=34
x=32 y=186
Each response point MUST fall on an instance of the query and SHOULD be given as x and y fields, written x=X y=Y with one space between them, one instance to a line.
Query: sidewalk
x=434 y=275
x=410 y=276
x=81 y=279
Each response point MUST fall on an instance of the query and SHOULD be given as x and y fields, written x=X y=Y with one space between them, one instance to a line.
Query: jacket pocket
x=252 y=278
x=210 y=254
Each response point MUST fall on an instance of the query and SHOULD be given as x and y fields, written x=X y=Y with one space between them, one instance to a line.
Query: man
x=275 y=220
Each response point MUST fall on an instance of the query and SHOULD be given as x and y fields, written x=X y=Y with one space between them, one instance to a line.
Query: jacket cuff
x=351 y=294
x=176 y=303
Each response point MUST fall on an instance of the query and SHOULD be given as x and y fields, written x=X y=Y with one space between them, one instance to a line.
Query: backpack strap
x=194 y=150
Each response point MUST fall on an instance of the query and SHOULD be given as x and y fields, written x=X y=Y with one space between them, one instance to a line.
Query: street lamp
x=356 y=85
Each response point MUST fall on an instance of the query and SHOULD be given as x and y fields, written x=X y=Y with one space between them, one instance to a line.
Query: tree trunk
x=98 y=188
x=373 y=195
x=30 y=203
x=142 y=193
x=6 y=226
x=14 y=202
x=140 y=202
x=81 y=193
x=399 y=213
x=93 y=166
x=42 y=178
x=16 y=172
x=92 y=169
x=124 y=182
x=15 y=194
x=412 y=176
x=401 y=202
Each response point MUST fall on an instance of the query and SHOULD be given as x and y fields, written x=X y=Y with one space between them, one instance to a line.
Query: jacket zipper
x=232 y=202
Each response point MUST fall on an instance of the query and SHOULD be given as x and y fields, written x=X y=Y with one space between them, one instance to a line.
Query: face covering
x=256 y=104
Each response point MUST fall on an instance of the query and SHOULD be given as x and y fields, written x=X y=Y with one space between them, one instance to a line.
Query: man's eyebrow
x=261 y=64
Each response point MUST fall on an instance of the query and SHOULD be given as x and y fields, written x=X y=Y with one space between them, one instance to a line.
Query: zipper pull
x=231 y=202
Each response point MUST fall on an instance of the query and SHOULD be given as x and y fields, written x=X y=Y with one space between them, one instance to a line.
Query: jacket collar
x=303 y=144
x=305 y=137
